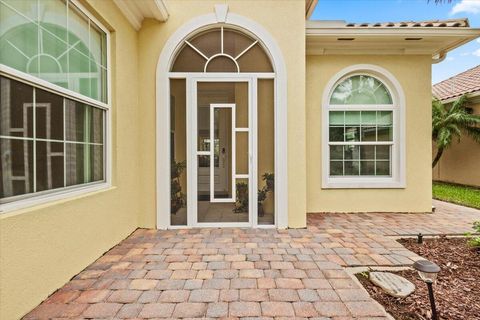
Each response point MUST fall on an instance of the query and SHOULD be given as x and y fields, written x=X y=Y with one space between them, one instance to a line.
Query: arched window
x=222 y=49
x=363 y=132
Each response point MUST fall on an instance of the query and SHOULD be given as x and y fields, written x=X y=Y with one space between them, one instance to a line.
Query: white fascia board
x=137 y=10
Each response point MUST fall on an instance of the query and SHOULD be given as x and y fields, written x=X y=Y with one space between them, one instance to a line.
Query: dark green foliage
x=452 y=122
x=177 y=197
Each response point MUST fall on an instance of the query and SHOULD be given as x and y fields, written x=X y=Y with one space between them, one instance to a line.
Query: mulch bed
x=457 y=290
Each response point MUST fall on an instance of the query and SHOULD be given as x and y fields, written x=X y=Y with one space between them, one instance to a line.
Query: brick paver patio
x=248 y=273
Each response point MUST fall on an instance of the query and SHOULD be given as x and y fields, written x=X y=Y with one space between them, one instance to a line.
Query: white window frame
x=398 y=156
x=33 y=199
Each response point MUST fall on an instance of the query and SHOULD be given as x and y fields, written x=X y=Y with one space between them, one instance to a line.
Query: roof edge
x=136 y=11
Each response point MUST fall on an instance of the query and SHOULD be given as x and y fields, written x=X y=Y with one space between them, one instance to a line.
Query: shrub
x=474 y=241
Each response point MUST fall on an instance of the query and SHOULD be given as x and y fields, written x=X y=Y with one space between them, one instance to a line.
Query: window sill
x=55 y=197
x=362 y=183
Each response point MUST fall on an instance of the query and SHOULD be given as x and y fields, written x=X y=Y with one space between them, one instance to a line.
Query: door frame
x=163 y=76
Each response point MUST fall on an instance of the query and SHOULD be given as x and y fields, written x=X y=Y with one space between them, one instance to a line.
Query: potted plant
x=241 y=203
x=177 y=197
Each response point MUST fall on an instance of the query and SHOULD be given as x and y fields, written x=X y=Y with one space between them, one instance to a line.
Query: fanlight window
x=222 y=50
x=361 y=89
x=57 y=42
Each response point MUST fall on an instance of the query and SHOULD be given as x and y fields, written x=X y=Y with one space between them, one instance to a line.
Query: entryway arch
x=221 y=20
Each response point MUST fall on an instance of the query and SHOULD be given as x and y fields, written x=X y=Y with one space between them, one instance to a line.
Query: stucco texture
x=460 y=163
x=414 y=75
x=291 y=40
x=42 y=247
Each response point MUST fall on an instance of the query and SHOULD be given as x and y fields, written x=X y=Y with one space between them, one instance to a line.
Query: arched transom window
x=362 y=120
x=222 y=49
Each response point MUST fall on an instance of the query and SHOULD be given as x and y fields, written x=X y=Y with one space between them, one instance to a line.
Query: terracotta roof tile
x=451 y=23
x=460 y=84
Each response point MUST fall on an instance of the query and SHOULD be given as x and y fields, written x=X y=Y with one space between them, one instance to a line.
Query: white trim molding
x=398 y=154
x=167 y=56
x=137 y=10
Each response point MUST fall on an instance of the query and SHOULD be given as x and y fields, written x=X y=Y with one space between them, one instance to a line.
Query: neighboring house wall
x=461 y=162
x=42 y=247
x=291 y=40
x=416 y=197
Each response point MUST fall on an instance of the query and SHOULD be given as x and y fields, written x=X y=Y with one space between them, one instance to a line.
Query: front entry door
x=221 y=153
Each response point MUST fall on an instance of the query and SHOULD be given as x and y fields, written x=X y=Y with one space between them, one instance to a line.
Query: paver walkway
x=248 y=273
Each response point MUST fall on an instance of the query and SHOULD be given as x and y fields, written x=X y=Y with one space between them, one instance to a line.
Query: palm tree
x=451 y=122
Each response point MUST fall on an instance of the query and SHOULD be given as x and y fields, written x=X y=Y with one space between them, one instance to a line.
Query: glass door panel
x=266 y=151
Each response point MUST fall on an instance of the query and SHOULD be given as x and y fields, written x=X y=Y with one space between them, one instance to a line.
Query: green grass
x=467 y=196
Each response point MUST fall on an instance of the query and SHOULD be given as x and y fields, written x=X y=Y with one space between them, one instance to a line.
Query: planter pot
x=261 y=212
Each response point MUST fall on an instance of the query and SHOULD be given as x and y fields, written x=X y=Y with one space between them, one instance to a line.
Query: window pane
x=360 y=89
x=383 y=152
x=78 y=120
x=235 y=42
x=385 y=118
x=383 y=168
x=178 y=152
x=188 y=60
x=385 y=133
x=16 y=107
x=336 y=168
x=19 y=40
x=49 y=160
x=369 y=133
x=208 y=42
x=98 y=48
x=266 y=151
x=352 y=117
x=367 y=168
x=336 y=152
x=352 y=168
x=351 y=152
x=336 y=133
x=28 y=8
x=367 y=152
x=84 y=163
x=337 y=117
x=352 y=134
x=49 y=115
x=97 y=125
x=97 y=161
x=16 y=174
x=255 y=60
x=222 y=64
x=369 y=118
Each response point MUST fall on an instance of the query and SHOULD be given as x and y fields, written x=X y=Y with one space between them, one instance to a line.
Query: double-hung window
x=54 y=103
x=363 y=128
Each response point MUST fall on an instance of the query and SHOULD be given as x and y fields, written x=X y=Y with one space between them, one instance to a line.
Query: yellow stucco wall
x=414 y=75
x=291 y=40
x=42 y=247
x=460 y=163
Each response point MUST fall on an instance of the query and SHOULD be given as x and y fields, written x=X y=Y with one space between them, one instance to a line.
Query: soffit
x=137 y=10
x=434 y=38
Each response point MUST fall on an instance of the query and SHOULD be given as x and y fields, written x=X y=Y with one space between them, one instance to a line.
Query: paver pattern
x=247 y=273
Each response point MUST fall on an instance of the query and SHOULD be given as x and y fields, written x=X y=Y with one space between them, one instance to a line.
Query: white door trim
x=166 y=58
x=232 y=153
